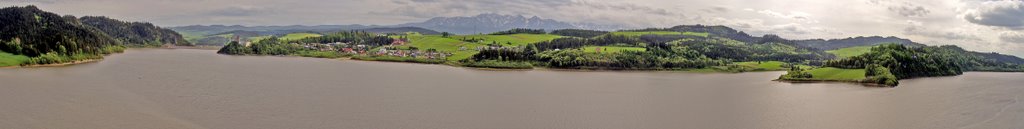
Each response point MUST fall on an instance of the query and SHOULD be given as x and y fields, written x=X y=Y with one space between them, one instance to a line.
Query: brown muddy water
x=162 y=88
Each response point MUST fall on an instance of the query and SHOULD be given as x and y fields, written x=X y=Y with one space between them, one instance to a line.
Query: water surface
x=160 y=88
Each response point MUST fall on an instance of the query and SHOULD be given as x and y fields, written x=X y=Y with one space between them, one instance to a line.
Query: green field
x=837 y=74
x=509 y=40
x=191 y=36
x=454 y=43
x=297 y=36
x=739 y=67
x=424 y=42
x=764 y=65
x=641 y=33
x=850 y=51
x=257 y=39
x=612 y=49
x=8 y=59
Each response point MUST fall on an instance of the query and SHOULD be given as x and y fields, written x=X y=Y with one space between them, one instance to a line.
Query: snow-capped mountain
x=489 y=22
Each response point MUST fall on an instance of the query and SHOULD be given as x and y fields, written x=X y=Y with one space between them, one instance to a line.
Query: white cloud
x=919 y=29
x=794 y=15
x=1000 y=13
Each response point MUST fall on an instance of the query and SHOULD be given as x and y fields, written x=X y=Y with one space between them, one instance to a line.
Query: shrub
x=500 y=64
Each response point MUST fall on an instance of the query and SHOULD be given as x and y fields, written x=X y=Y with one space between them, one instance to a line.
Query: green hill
x=295 y=36
x=48 y=38
x=135 y=33
x=32 y=32
x=850 y=51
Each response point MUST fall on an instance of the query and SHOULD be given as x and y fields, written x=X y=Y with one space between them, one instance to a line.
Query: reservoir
x=184 y=88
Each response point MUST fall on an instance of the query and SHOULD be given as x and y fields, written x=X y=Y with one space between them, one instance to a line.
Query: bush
x=112 y=49
x=878 y=74
x=796 y=73
x=500 y=64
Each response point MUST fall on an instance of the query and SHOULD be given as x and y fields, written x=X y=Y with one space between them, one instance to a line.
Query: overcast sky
x=979 y=25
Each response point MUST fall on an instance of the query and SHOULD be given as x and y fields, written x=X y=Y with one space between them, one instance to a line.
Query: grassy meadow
x=764 y=65
x=296 y=36
x=508 y=40
x=8 y=59
x=850 y=51
x=837 y=74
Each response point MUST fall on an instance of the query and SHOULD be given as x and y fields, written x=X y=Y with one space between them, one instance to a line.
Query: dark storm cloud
x=1008 y=14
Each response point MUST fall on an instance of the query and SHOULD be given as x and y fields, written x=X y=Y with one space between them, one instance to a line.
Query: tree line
x=520 y=31
x=579 y=33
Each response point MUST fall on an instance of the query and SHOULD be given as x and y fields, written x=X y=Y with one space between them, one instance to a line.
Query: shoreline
x=534 y=68
x=57 y=65
x=833 y=81
x=695 y=71
x=193 y=47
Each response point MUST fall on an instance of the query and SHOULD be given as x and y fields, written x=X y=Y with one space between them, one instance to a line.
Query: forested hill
x=832 y=44
x=33 y=32
x=135 y=33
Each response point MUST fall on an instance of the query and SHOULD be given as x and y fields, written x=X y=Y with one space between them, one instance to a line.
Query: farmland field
x=829 y=73
x=424 y=42
x=850 y=51
x=296 y=36
x=766 y=65
x=509 y=40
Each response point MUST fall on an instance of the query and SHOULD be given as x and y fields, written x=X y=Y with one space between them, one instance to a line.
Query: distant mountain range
x=487 y=23
x=483 y=23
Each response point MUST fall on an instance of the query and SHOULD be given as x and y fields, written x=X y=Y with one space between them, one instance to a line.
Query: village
x=394 y=49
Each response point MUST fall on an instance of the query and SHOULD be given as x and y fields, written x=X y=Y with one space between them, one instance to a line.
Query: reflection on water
x=157 y=88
